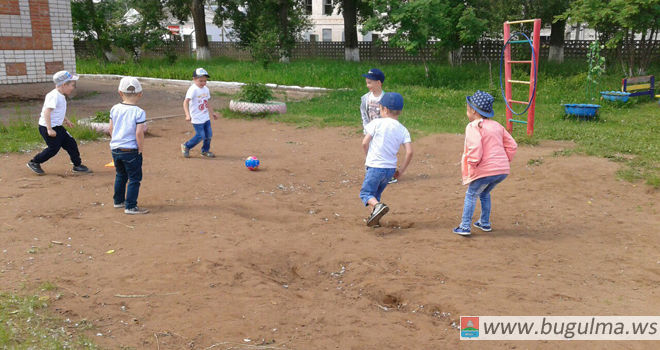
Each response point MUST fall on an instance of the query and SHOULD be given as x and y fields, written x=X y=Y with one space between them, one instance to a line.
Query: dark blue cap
x=392 y=100
x=482 y=102
x=375 y=74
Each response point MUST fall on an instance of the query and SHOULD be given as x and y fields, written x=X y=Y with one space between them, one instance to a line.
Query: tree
x=352 y=11
x=255 y=20
x=415 y=23
x=183 y=10
x=139 y=26
x=619 y=22
x=547 y=10
x=128 y=24
x=91 y=23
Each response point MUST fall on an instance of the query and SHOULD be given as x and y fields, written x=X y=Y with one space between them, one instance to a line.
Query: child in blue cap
x=370 y=102
x=384 y=136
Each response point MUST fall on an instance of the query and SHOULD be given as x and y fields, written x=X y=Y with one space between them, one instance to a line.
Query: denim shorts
x=375 y=181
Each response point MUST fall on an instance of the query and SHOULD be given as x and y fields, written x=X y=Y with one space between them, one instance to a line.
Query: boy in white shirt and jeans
x=127 y=129
x=384 y=136
x=196 y=108
x=53 y=115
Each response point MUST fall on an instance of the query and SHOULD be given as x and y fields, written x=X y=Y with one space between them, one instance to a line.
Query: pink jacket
x=488 y=150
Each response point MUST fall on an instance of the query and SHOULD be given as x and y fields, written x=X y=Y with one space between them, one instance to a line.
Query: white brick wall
x=62 y=38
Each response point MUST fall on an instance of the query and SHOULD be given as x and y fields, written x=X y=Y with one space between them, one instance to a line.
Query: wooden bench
x=638 y=86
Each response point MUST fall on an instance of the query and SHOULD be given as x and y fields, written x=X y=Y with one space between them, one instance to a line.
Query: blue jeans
x=375 y=181
x=202 y=132
x=128 y=165
x=479 y=187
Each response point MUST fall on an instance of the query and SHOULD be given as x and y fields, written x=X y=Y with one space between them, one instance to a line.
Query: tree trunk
x=199 y=20
x=285 y=48
x=557 y=42
x=102 y=46
x=456 y=57
x=349 y=12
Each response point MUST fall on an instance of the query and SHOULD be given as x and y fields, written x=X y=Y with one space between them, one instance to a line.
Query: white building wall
x=36 y=40
x=334 y=22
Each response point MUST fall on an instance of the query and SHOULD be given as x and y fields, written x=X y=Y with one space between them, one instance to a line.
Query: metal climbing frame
x=533 y=62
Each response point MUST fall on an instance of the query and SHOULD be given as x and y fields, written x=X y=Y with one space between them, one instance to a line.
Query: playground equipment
x=506 y=61
x=639 y=86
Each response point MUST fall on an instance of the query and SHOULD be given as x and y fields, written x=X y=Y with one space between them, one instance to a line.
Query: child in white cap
x=127 y=126
x=53 y=116
x=197 y=110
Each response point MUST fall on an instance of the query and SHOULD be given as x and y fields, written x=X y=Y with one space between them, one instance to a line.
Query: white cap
x=200 y=72
x=127 y=83
x=62 y=77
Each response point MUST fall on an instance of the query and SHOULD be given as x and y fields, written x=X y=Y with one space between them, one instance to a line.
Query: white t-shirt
x=125 y=119
x=387 y=136
x=56 y=101
x=198 y=104
x=373 y=106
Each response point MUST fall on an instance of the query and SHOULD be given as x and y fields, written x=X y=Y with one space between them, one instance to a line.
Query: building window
x=308 y=7
x=313 y=37
x=328 y=7
x=327 y=34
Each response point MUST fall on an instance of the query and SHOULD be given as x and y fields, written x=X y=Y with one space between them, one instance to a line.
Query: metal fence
x=484 y=50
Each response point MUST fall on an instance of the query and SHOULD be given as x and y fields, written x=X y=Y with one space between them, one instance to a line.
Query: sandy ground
x=281 y=257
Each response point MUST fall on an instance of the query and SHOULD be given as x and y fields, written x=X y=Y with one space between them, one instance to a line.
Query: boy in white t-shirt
x=127 y=127
x=384 y=136
x=196 y=108
x=53 y=115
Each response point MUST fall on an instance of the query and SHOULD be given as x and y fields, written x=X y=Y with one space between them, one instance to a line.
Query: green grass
x=26 y=324
x=436 y=103
x=20 y=135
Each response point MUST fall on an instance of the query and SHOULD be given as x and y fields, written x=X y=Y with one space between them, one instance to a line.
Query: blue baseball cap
x=375 y=74
x=482 y=102
x=200 y=72
x=392 y=100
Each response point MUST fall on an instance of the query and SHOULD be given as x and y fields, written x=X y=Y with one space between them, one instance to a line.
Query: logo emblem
x=469 y=326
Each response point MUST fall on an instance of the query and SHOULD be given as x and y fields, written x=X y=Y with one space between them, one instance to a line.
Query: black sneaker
x=482 y=227
x=81 y=169
x=379 y=210
x=36 y=167
x=135 y=211
x=185 y=151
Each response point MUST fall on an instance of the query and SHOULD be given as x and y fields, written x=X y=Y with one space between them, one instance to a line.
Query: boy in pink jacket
x=487 y=152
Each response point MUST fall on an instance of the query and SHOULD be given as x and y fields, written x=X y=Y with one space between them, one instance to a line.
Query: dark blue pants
x=128 y=165
x=62 y=140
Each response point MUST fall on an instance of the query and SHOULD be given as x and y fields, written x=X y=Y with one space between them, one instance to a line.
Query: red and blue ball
x=252 y=163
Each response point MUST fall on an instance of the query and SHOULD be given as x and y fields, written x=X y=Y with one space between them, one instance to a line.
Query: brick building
x=36 y=40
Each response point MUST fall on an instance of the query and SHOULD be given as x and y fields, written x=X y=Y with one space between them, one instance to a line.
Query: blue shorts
x=375 y=181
